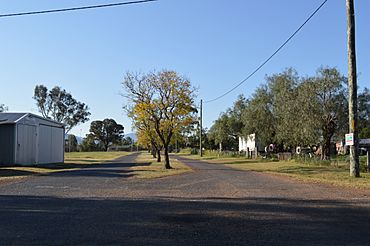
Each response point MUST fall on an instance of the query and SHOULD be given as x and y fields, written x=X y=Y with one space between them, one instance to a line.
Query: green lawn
x=336 y=175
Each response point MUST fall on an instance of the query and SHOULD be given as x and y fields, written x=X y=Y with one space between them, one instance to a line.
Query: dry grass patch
x=338 y=176
x=148 y=168
x=335 y=175
x=92 y=157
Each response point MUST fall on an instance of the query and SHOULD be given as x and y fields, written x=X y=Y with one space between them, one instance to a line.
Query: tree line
x=289 y=110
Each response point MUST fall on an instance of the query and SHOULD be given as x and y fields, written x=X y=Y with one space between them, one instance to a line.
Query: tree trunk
x=325 y=150
x=153 y=151
x=159 y=155
x=166 y=158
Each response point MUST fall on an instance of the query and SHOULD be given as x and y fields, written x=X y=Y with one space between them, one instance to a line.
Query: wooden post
x=201 y=123
x=352 y=89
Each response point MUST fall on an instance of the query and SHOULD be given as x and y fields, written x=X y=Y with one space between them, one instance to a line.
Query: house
x=250 y=145
x=28 y=139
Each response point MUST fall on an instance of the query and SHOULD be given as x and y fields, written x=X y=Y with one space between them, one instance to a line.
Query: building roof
x=10 y=118
x=13 y=118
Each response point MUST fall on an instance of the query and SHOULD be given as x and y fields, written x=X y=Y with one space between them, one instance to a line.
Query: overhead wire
x=75 y=8
x=271 y=56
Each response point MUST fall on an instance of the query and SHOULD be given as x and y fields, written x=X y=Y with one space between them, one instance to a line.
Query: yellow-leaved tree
x=162 y=101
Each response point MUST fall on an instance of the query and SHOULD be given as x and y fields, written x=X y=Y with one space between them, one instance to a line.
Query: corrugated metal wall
x=7 y=143
x=31 y=140
x=51 y=144
x=26 y=144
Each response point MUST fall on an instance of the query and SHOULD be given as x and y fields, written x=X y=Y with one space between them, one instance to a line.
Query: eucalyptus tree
x=59 y=105
x=3 y=108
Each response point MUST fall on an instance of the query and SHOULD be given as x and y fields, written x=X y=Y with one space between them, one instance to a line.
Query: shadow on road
x=5 y=172
x=168 y=221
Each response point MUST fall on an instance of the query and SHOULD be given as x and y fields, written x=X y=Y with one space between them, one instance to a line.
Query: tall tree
x=363 y=113
x=71 y=143
x=332 y=109
x=3 y=108
x=59 y=105
x=220 y=131
x=282 y=88
x=258 y=116
x=165 y=99
x=89 y=144
x=235 y=122
x=107 y=132
x=147 y=136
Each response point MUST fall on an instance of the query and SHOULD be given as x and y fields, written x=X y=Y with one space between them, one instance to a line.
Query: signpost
x=364 y=143
x=350 y=139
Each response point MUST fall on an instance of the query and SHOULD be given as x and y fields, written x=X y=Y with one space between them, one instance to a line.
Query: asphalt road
x=214 y=205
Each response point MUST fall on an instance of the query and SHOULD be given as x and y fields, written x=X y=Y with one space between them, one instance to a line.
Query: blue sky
x=215 y=43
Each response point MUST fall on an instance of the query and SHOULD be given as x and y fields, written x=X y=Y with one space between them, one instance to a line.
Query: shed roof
x=10 y=118
x=13 y=118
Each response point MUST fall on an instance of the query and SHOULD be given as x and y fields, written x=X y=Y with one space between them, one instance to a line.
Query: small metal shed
x=27 y=139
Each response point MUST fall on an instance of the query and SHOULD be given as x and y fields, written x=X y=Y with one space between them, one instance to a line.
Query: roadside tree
x=71 y=143
x=107 y=132
x=59 y=105
x=165 y=99
x=258 y=116
x=3 y=108
x=89 y=144
x=363 y=113
x=331 y=108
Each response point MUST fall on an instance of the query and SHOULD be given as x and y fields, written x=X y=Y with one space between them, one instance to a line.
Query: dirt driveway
x=214 y=205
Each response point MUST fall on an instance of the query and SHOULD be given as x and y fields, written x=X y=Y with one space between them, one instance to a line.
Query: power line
x=75 y=8
x=271 y=56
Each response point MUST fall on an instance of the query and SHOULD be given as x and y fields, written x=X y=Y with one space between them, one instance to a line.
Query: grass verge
x=92 y=157
x=148 y=168
x=73 y=161
x=335 y=175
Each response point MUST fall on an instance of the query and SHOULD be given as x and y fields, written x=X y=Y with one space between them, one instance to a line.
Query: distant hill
x=131 y=135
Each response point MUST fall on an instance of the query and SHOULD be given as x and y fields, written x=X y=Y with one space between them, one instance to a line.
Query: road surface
x=214 y=205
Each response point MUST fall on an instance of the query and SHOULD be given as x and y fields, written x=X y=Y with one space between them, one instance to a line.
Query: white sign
x=350 y=139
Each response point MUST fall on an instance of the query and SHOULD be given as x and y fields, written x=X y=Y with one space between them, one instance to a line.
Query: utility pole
x=352 y=88
x=201 y=128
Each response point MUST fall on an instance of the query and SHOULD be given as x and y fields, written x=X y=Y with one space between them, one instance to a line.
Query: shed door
x=51 y=144
x=26 y=144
